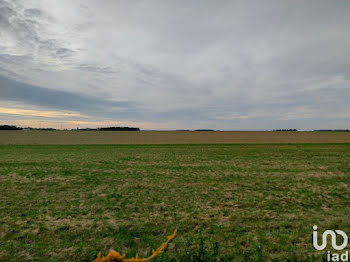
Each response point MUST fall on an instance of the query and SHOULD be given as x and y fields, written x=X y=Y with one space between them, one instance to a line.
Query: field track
x=170 y=137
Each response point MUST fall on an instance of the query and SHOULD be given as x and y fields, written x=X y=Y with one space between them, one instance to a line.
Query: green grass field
x=228 y=202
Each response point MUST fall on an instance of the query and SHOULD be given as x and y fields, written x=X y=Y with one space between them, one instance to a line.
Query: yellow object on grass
x=116 y=256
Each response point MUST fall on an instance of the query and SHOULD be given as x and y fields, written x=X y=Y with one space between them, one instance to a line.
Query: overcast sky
x=161 y=64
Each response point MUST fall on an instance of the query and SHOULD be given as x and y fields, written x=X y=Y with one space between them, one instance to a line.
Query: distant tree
x=284 y=130
x=7 y=127
x=125 y=128
x=204 y=130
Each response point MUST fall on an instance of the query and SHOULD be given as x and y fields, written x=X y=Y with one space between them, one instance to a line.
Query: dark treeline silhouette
x=113 y=128
x=43 y=129
x=40 y=128
x=86 y=129
x=7 y=127
x=286 y=130
x=204 y=130
x=125 y=128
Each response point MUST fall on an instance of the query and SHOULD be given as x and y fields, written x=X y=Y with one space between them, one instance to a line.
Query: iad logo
x=333 y=239
x=330 y=256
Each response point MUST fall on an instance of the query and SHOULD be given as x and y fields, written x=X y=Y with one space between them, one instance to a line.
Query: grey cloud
x=231 y=64
x=24 y=28
x=64 y=52
x=5 y=14
x=33 y=12
x=95 y=69
x=11 y=90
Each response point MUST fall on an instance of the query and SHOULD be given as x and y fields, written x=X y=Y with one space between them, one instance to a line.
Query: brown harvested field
x=170 y=137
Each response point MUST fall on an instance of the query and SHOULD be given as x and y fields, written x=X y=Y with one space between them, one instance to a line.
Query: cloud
x=228 y=64
x=39 y=113
x=45 y=98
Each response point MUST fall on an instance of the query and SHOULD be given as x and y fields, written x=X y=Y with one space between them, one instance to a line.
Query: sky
x=166 y=64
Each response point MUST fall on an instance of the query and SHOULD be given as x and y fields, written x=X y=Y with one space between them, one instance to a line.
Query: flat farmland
x=169 y=137
x=228 y=202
